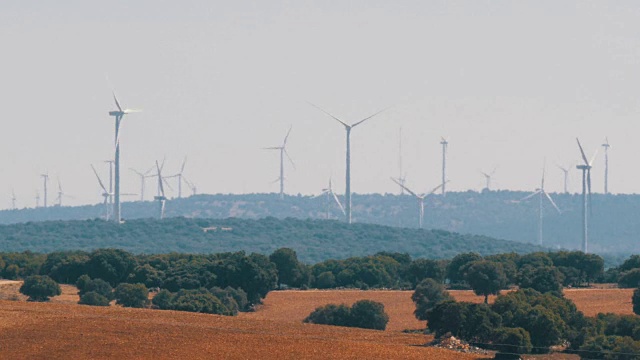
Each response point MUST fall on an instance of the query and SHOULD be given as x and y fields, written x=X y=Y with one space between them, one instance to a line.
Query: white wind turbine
x=420 y=198
x=45 y=179
x=566 y=177
x=161 y=198
x=105 y=194
x=143 y=177
x=402 y=178
x=606 y=147
x=328 y=192
x=13 y=199
x=118 y=115
x=283 y=152
x=542 y=194
x=61 y=194
x=348 y=128
x=586 y=201
x=488 y=177
x=445 y=145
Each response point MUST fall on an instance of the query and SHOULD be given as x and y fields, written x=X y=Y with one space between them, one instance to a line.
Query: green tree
x=331 y=314
x=98 y=286
x=448 y=317
x=132 y=295
x=427 y=295
x=94 y=299
x=163 y=299
x=326 y=280
x=420 y=269
x=486 y=278
x=200 y=300
x=511 y=341
x=629 y=279
x=459 y=264
x=65 y=266
x=368 y=314
x=542 y=279
x=111 y=265
x=40 y=288
x=290 y=270
x=635 y=300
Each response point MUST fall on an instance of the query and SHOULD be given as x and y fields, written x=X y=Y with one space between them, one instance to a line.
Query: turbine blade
x=116 y=100
x=594 y=156
x=404 y=187
x=335 y=197
x=530 y=196
x=289 y=157
x=438 y=187
x=160 y=178
x=319 y=108
x=184 y=162
x=552 y=202
x=584 y=157
x=98 y=177
x=287 y=137
x=369 y=117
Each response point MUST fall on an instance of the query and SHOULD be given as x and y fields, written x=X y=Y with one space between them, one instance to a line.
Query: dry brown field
x=62 y=329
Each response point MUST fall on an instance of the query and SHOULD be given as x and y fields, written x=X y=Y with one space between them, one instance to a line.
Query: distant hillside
x=614 y=225
x=313 y=240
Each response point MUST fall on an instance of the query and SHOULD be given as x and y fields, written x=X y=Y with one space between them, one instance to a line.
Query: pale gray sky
x=509 y=83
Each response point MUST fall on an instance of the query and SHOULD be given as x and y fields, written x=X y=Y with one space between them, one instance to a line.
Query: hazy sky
x=509 y=83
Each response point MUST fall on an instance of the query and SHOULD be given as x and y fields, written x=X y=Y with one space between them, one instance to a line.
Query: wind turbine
x=143 y=176
x=180 y=177
x=566 y=176
x=606 y=147
x=37 y=199
x=61 y=194
x=330 y=194
x=13 y=199
x=283 y=152
x=45 y=179
x=420 y=198
x=348 y=128
x=488 y=178
x=110 y=162
x=586 y=202
x=190 y=185
x=445 y=144
x=105 y=194
x=161 y=198
x=118 y=115
x=542 y=194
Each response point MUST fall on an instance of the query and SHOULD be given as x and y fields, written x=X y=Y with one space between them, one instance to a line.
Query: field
x=62 y=329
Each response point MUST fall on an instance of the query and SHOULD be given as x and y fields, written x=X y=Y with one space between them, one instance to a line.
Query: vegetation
x=364 y=314
x=427 y=295
x=486 y=278
x=40 y=288
x=94 y=299
x=132 y=295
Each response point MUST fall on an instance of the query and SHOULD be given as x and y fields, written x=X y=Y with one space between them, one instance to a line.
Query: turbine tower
x=118 y=115
x=348 y=128
x=606 y=147
x=283 y=152
x=328 y=192
x=586 y=201
x=566 y=176
x=37 y=199
x=445 y=144
x=542 y=194
x=143 y=177
x=161 y=198
x=13 y=199
x=420 y=198
x=110 y=162
x=61 y=194
x=45 y=179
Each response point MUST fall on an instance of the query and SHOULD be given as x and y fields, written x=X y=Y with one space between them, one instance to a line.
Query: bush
x=365 y=314
x=200 y=300
x=427 y=295
x=544 y=279
x=82 y=282
x=635 y=299
x=98 y=286
x=629 y=279
x=368 y=314
x=233 y=299
x=163 y=299
x=326 y=280
x=447 y=317
x=132 y=295
x=94 y=299
x=511 y=341
x=40 y=288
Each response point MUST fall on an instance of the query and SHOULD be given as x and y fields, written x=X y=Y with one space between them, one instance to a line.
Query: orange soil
x=63 y=331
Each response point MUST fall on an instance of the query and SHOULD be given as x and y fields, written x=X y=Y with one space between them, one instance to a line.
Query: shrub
x=94 y=299
x=98 y=286
x=427 y=295
x=132 y=295
x=233 y=299
x=635 y=299
x=337 y=315
x=40 y=288
x=82 y=282
x=163 y=299
x=368 y=314
x=326 y=280
x=200 y=300
x=629 y=279
x=447 y=317
x=510 y=342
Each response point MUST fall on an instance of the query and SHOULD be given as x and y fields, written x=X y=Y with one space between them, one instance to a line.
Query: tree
x=629 y=279
x=635 y=299
x=511 y=341
x=447 y=317
x=290 y=270
x=331 y=314
x=486 y=278
x=111 y=265
x=326 y=280
x=545 y=279
x=40 y=288
x=94 y=299
x=368 y=314
x=427 y=295
x=200 y=300
x=98 y=286
x=65 y=266
x=459 y=264
x=420 y=269
x=163 y=299
x=132 y=295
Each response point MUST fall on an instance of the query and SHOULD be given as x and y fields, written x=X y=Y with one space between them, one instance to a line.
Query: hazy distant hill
x=614 y=226
x=314 y=240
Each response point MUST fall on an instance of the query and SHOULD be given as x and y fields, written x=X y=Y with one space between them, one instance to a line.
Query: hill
x=313 y=240
x=613 y=226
